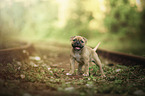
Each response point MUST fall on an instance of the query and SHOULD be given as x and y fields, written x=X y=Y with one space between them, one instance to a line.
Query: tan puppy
x=83 y=55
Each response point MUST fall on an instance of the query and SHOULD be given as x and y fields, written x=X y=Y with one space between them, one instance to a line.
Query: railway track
x=23 y=52
x=17 y=53
x=122 y=58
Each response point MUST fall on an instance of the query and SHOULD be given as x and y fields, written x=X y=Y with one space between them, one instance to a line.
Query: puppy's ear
x=85 y=39
x=71 y=38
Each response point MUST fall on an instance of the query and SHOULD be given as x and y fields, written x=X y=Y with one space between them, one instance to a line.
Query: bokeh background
x=117 y=24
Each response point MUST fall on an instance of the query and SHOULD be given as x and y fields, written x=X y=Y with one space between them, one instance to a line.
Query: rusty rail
x=122 y=58
x=17 y=53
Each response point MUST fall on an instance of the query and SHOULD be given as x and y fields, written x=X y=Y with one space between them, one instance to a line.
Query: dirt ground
x=43 y=74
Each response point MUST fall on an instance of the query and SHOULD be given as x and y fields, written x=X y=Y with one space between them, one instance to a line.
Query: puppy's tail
x=97 y=46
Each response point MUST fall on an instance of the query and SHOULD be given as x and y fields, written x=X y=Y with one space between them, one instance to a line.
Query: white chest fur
x=77 y=56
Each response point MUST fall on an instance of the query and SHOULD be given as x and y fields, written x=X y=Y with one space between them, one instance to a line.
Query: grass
x=120 y=79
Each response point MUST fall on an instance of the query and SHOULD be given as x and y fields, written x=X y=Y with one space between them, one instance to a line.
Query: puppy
x=84 y=55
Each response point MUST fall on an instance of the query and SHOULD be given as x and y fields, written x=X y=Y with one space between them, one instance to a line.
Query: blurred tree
x=11 y=22
x=97 y=8
x=122 y=17
x=78 y=21
x=142 y=26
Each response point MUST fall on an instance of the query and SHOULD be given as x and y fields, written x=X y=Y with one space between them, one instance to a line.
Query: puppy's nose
x=77 y=42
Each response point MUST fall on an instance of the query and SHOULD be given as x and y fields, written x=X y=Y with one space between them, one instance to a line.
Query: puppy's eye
x=74 y=40
x=82 y=41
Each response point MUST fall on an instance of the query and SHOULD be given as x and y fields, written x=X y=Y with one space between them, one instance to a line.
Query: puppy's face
x=78 y=42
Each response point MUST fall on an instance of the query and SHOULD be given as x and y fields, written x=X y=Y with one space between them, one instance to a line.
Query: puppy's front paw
x=103 y=76
x=68 y=74
x=85 y=74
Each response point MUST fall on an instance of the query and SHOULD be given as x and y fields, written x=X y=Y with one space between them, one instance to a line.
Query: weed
x=120 y=79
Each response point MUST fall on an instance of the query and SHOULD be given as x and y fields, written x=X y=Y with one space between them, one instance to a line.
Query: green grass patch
x=119 y=79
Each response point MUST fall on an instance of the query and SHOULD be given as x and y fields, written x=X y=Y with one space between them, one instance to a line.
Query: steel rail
x=122 y=58
x=18 y=53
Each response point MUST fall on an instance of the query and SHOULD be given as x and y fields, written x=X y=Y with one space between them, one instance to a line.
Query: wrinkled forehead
x=78 y=38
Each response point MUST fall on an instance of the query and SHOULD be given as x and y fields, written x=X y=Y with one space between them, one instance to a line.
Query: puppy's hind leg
x=98 y=62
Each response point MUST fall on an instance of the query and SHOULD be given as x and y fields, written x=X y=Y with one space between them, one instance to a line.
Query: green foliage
x=78 y=23
x=122 y=17
x=124 y=81
x=94 y=70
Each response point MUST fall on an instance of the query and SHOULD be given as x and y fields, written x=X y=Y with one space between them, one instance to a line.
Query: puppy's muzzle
x=77 y=46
